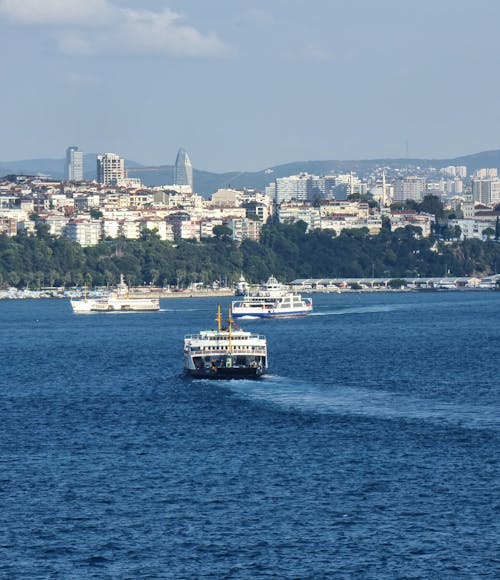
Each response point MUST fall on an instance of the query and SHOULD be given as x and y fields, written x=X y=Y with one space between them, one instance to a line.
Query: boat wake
x=295 y=395
x=361 y=310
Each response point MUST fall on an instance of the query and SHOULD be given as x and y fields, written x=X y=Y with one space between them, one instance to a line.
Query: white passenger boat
x=118 y=300
x=272 y=300
x=225 y=353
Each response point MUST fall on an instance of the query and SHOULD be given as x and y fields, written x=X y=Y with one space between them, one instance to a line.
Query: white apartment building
x=486 y=173
x=342 y=208
x=486 y=190
x=110 y=168
x=207 y=227
x=411 y=187
x=474 y=227
x=56 y=224
x=231 y=197
x=289 y=213
x=459 y=171
x=110 y=228
x=130 y=229
x=244 y=229
x=184 y=226
x=165 y=231
x=401 y=219
x=293 y=188
x=85 y=232
x=220 y=212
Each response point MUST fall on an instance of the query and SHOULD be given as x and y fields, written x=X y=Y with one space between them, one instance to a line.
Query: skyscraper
x=183 y=171
x=74 y=164
x=110 y=168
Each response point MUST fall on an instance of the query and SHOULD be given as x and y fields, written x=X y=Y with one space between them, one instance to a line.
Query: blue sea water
x=371 y=450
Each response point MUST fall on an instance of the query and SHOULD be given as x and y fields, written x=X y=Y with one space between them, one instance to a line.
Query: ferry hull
x=100 y=305
x=239 y=313
x=226 y=373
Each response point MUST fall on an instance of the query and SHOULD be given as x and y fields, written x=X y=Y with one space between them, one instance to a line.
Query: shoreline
x=166 y=295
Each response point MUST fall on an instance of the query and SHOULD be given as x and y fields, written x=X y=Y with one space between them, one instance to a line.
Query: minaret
x=384 y=195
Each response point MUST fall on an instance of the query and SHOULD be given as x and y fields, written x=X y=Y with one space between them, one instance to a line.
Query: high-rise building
x=293 y=187
x=110 y=169
x=411 y=187
x=486 y=191
x=183 y=170
x=74 y=164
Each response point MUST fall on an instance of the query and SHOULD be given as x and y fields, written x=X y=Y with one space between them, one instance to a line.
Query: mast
x=218 y=319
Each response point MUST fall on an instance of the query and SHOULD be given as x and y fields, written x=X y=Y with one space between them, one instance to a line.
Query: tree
x=396 y=283
x=457 y=232
x=431 y=204
x=488 y=232
x=95 y=213
x=222 y=232
x=497 y=229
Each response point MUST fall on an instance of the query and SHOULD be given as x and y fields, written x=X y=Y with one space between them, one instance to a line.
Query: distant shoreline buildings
x=116 y=205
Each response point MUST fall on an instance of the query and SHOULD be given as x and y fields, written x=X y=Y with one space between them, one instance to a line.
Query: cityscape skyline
x=326 y=80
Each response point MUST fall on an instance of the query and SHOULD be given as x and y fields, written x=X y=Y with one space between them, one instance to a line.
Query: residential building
x=474 y=227
x=245 y=229
x=184 y=226
x=227 y=197
x=8 y=226
x=84 y=231
x=459 y=171
x=293 y=188
x=486 y=173
x=486 y=190
x=401 y=219
x=411 y=187
x=165 y=231
x=110 y=169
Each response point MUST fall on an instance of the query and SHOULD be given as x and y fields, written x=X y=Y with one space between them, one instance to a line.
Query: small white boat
x=118 y=300
x=225 y=353
x=272 y=300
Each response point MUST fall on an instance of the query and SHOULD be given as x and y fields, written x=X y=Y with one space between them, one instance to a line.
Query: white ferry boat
x=272 y=300
x=225 y=353
x=117 y=300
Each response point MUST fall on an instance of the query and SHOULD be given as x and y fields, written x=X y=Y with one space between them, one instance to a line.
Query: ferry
x=226 y=353
x=272 y=300
x=118 y=300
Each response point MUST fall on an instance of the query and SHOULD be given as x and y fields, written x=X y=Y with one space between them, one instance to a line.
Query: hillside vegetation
x=286 y=251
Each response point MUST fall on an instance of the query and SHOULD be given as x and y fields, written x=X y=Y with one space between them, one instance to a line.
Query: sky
x=244 y=85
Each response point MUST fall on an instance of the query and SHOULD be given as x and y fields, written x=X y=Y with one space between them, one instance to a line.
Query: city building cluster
x=116 y=206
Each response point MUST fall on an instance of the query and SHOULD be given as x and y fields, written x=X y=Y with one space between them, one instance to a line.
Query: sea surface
x=370 y=450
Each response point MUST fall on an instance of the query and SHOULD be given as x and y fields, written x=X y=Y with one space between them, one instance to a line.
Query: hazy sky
x=246 y=84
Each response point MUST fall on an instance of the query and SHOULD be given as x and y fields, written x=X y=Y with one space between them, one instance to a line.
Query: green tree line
x=287 y=251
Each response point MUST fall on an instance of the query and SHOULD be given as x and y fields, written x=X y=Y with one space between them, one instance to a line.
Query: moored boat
x=272 y=300
x=225 y=353
x=118 y=300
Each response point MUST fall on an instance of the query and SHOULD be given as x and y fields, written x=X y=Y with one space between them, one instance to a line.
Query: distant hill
x=206 y=182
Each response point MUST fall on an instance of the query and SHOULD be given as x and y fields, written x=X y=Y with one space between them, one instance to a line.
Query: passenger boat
x=272 y=300
x=118 y=300
x=226 y=353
